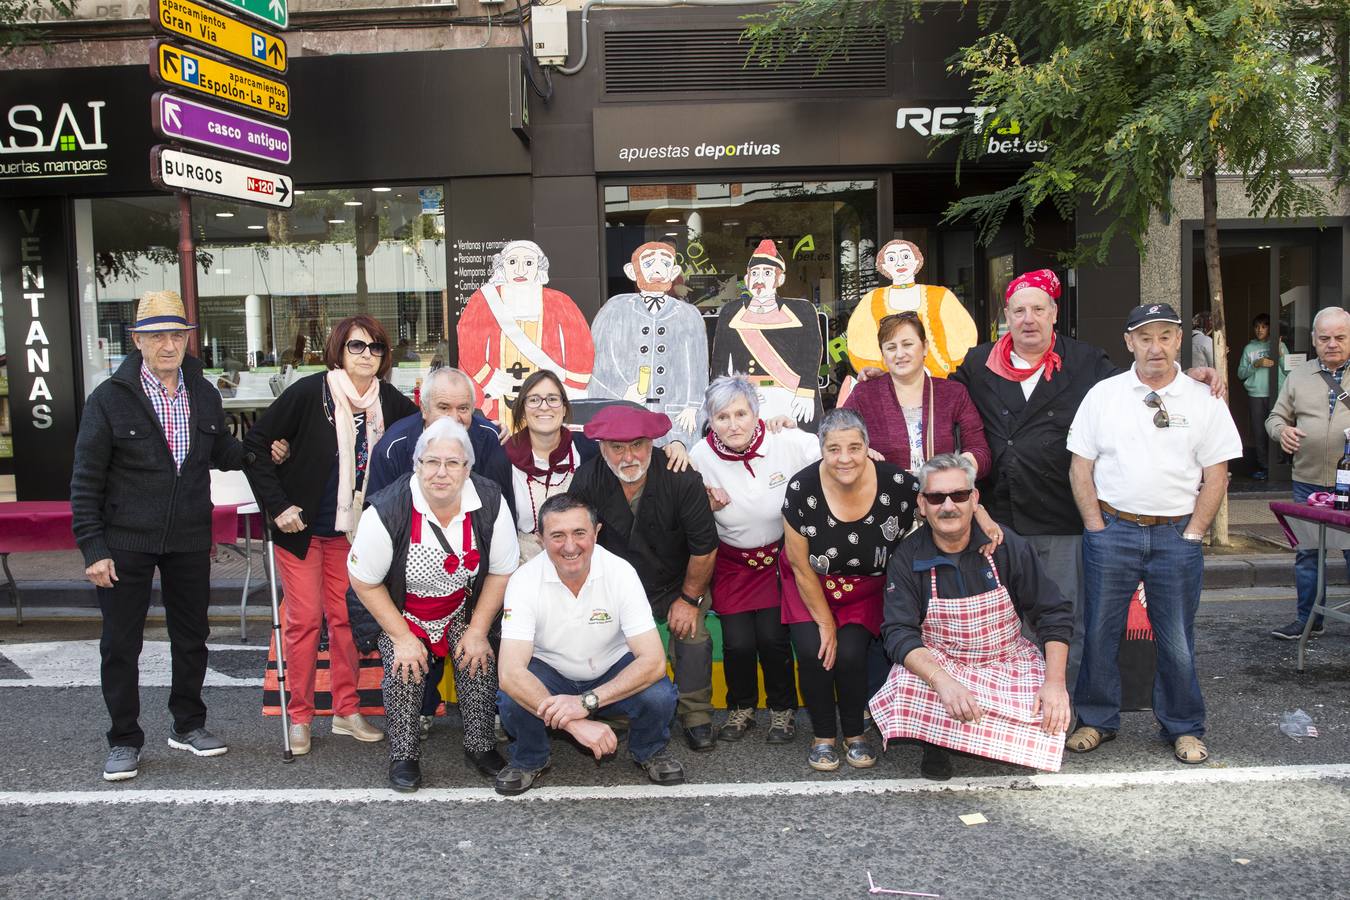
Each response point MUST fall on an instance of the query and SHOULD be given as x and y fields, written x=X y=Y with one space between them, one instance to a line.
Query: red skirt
x=745 y=580
x=854 y=599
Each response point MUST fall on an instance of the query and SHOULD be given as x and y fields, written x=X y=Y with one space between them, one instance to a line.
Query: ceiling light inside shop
x=336 y=221
x=351 y=203
x=256 y=227
x=672 y=234
x=222 y=271
x=225 y=215
x=671 y=221
x=381 y=190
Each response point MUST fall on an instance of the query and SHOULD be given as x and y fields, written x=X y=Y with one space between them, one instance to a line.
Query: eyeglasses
x=1160 y=418
x=356 y=347
x=937 y=498
x=552 y=401
x=449 y=465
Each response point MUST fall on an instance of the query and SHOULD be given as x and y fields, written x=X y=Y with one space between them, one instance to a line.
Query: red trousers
x=316 y=588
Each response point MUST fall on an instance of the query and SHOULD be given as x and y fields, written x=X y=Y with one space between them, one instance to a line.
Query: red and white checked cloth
x=978 y=641
x=173 y=412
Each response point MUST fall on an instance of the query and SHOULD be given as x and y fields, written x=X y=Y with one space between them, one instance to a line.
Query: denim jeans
x=1115 y=560
x=1305 y=562
x=649 y=713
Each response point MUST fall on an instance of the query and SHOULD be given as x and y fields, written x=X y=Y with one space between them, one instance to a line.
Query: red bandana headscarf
x=749 y=453
x=1000 y=358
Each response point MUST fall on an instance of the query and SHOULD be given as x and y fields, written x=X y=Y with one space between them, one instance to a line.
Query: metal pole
x=187 y=268
x=286 y=754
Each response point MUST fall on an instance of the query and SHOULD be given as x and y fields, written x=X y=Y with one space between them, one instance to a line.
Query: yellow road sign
x=215 y=29
x=181 y=68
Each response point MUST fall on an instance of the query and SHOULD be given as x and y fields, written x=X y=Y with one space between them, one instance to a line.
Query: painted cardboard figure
x=514 y=326
x=652 y=347
x=773 y=340
x=951 y=331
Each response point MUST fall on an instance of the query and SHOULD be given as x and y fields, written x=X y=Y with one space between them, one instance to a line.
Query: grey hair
x=840 y=419
x=498 y=275
x=439 y=374
x=443 y=429
x=724 y=391
x=945 y=462
x=1327 y=312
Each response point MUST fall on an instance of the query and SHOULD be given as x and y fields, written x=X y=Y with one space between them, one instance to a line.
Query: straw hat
x=161 y=311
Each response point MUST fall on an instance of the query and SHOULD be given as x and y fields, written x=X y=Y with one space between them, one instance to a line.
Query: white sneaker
x=299 y=740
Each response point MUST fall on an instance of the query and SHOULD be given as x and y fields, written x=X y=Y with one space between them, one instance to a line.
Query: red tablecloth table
x=35 y=526
x=1303 y=523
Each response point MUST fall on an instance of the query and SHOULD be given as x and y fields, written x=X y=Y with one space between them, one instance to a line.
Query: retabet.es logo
x=939 y=121
x=30 y=131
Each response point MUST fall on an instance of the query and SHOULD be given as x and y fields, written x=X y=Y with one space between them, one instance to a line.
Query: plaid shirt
x=1333 y=393
x=172 y=411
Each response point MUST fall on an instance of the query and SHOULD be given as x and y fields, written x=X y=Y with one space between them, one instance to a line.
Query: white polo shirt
x=580 y=636
x=1141 y=468
x=754 y=517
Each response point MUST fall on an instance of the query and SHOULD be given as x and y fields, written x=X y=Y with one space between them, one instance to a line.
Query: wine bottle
x=1342 y=501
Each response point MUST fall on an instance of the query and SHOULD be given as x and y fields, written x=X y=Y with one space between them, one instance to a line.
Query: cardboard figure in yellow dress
x=514 y=326
x=951 y=331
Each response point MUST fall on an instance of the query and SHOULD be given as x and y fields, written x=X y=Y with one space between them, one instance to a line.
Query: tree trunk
x=1209 y=191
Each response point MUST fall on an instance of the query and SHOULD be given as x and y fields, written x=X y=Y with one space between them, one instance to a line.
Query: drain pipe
x=638 y=4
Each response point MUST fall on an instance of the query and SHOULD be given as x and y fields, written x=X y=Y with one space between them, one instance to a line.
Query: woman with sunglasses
x=544 y=453
x=330 y=420
x=912 y=415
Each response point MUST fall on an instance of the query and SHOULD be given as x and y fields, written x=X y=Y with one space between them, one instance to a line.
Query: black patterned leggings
x=477 y=696
x=847 y=680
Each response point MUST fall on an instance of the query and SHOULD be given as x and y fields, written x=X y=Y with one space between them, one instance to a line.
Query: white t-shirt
x=373 y=550
x=1031 y=381
x=526 y=491
x=580 y=636
x=1141 y=468
x=754 y=518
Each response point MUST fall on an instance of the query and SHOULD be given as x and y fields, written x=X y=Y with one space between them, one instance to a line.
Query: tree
x=19 y=20
x=1131 y=95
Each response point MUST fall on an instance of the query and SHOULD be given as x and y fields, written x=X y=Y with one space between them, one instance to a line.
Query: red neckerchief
x=744 y=456
x=521 y=455
x=1000 y=361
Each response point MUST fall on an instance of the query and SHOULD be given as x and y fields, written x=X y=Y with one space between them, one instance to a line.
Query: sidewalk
x=56 y=580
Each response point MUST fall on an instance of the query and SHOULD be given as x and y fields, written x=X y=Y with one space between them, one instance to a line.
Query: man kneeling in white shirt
x=578 y=638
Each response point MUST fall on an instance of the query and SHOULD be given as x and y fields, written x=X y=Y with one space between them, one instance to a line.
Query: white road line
x=76 y=664
x=1202 y=776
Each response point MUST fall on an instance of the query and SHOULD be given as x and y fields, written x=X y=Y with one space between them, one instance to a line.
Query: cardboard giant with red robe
x=514 y=326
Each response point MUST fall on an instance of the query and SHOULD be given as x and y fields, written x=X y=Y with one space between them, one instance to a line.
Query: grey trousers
x=1061 y=555
x=693 y=657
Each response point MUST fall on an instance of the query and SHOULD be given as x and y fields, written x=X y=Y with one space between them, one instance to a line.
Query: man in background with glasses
x=1150 y=466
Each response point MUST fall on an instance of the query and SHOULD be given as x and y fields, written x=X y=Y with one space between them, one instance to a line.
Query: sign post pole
x=187 y=268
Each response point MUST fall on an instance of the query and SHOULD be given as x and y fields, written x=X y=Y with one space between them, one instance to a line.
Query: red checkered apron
x=978 y=641
x=745 y=580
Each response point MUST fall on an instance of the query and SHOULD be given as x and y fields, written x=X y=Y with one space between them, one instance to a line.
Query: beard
x=628 y=476
x=653 y=287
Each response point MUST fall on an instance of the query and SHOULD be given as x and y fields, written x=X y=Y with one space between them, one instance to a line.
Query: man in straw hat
x=141 y=498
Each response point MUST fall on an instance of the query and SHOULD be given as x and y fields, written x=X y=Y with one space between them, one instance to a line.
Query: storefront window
x=270 y=284
x=825 y=230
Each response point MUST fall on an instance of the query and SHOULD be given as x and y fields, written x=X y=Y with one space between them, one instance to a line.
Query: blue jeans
x=1115 y=560
x=1305 y=561
x=649 y=713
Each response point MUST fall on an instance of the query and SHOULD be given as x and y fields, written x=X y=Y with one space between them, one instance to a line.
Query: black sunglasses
x=1160 y=418
x=356 y=347
x=937 y=498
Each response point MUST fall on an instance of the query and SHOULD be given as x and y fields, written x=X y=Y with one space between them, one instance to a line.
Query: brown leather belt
x=1136 y=518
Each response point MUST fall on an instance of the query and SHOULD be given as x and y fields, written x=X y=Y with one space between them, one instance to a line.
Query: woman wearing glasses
x=911 y=415
x=544 y=453
x=429 y=564
x=330 y=420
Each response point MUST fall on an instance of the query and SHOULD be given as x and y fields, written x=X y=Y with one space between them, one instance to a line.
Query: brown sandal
x=1085 y=739
x=1190 y=750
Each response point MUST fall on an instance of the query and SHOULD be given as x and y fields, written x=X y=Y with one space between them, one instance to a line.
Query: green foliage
x=824 y=27
x=1131 y=94
x=20 y=20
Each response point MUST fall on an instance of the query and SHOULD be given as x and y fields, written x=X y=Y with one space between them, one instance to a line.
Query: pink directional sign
x=178 y=118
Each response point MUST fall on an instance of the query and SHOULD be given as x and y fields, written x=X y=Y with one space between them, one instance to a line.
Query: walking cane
x=286 y=754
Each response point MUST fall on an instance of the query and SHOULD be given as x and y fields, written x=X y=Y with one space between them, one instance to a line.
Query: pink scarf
x=345 y=401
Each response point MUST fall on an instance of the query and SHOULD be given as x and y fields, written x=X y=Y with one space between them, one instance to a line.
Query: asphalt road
x=1267 y=816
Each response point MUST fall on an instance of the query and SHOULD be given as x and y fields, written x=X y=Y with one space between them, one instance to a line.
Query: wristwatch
x=692 y=601
x=590 y=702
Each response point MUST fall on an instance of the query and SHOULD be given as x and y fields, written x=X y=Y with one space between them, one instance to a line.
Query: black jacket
x=909 y=587
x=300 y=415
x=394 y=505
x=674 y=522
x=1029 y=485
x=124 y=491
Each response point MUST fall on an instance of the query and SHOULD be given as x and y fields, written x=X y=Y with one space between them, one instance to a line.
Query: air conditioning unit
x=548 y=34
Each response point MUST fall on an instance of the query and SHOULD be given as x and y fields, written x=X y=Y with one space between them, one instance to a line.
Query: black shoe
x=662 y=768
x=782 y=726
x=1294 y=630
x=700 y=738
x=1260 y=475
x=511 y=780
x=405 y=775
x=738 y=722
x=936 y=764
x=487 y=762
